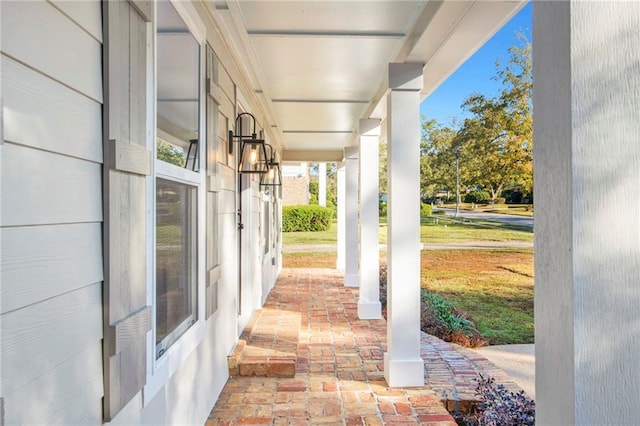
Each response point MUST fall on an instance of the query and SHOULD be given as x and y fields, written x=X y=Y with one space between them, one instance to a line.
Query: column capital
x=351 y=152
x=369 y=127
x=405 y=76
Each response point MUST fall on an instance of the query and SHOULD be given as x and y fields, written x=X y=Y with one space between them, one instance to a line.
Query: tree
x=170 y=154
x=332 y=184
x=499 y=134
x=439 y=148
x=382 y=168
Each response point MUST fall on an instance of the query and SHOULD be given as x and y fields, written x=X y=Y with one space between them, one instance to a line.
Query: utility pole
x=457 y=183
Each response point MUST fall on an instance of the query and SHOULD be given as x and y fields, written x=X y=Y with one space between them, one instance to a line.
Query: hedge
x=425 y=210
x=305 y=218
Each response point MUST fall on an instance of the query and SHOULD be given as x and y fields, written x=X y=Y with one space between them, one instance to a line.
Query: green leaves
x=494 y=145
x=305 y=218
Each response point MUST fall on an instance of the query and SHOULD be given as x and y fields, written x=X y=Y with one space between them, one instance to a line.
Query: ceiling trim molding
x=330 y=34
x=319 y=131
x=320 y=101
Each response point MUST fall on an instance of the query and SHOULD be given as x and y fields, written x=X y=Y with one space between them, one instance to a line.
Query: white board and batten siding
x=51 y=219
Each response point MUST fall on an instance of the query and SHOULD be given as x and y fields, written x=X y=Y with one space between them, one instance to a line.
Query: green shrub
x=441 y=319
x=477 y=197
x=305 y=218
x=425 y=210
x=439 y=212
x=382 y=209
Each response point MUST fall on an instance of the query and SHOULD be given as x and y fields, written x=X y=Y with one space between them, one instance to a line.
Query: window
x=176 y=254
x=178 y=181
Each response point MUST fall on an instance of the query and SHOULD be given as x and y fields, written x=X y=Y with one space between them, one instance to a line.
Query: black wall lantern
x=273 y=176
x=253 y=154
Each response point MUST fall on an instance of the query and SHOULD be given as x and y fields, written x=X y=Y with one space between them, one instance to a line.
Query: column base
x=351 y=280
x=369 y=310
x=404 y=373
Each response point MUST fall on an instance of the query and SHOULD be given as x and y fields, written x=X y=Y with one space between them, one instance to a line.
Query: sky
x=474 y=76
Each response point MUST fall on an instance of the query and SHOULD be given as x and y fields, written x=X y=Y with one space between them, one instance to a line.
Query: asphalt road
x=494 y=217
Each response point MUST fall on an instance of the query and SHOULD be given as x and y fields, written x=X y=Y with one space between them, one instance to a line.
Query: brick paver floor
x=339 y=369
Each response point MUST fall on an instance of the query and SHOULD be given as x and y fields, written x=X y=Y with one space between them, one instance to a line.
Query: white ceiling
x=320 y=65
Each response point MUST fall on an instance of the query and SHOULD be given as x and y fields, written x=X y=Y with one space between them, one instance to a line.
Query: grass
x=495 y=287
x=453 y=232
x=311 y=238
x=433 y=230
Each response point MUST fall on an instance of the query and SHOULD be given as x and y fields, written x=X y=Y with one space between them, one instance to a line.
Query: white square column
x=402 y=363
x=586 y=97
x=369 y=306
x=351 y=254
x=340 y=262
x=322 y=184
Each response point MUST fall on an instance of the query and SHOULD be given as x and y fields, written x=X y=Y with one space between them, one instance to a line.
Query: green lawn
x=430 y=232
x=495 y=287
x=311 y=238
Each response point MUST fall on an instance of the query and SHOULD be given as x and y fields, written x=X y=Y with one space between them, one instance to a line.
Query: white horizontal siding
x=40 y=262
x=43 y=113
x=41 y=36
x=226 y=84
x=39 y=187
x=227 y=177
x=69 y=394
x=226 y=202
x=86 y=13
x=39 y=338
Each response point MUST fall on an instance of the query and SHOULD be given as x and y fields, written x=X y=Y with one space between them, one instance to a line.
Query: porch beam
x=402 y=363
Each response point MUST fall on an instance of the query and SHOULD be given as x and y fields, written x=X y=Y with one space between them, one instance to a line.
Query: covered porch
x=339 y=377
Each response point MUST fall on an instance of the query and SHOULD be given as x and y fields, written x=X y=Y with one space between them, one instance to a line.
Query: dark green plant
x=441 y=319
x=306 y=218
x=382 y=209
x=477 y=197
x=445 y=313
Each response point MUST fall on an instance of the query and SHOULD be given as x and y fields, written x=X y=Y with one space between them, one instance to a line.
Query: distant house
x=295 y=184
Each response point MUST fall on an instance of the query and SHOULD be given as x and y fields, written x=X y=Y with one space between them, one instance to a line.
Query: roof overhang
x=318 y=67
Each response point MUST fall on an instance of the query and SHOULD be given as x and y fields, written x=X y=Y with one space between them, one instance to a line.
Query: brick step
x=267 y=346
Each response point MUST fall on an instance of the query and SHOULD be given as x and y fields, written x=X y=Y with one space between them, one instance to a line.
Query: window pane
x=176 y=261
x=178 y=69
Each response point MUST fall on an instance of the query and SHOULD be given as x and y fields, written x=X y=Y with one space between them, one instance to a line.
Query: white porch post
x=369 y=301
x=402 y=363
x=587 y=225
x=322 y=184
x=351 y=275
x=340 y=262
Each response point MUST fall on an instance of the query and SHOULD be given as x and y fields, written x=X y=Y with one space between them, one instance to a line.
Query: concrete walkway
x=518 y=361
x=339 y=376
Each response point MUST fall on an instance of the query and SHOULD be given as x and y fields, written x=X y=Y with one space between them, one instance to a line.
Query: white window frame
x=160 y=370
